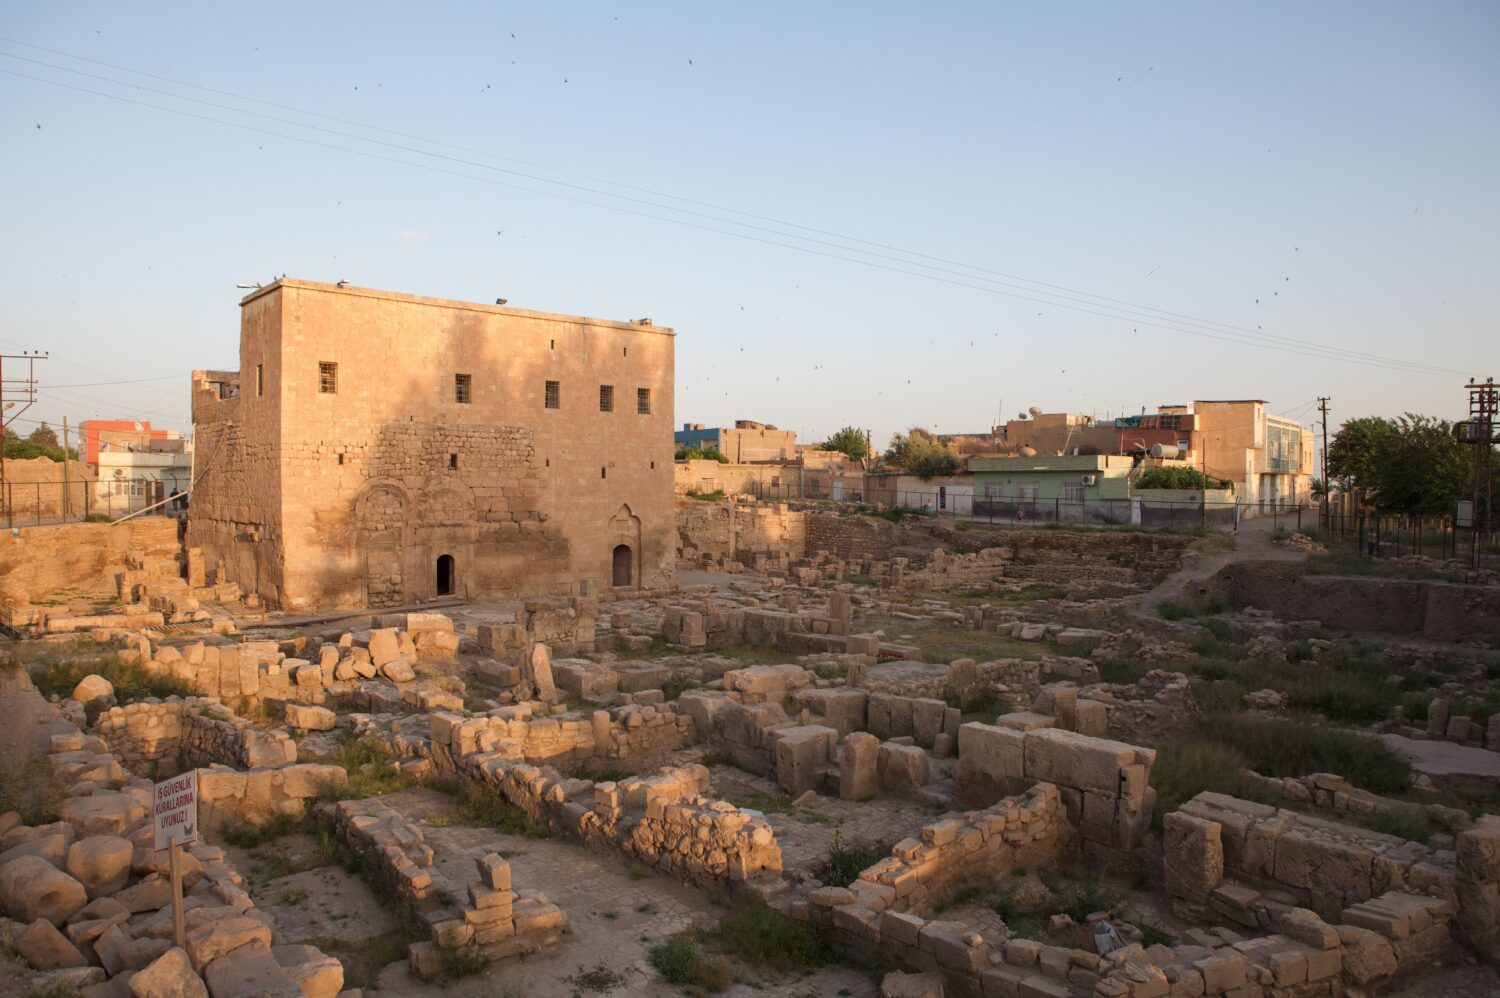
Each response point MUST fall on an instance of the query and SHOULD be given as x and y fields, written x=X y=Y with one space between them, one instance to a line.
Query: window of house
x=643 y=401
x=260 y=379
x=463 y=388
x=554 y=396
x=991 y=491
x=1072 y=493
x=606 y=398
x=1028 y=491
x=328 y=377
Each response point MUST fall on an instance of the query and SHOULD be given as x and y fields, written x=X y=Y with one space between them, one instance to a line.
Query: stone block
x=859 y=776
x=1073 y=760
x=309 y=718
x=903 y=768
x=1192 y=856
x=32 y=888
x=991 y=764
x=800 y=753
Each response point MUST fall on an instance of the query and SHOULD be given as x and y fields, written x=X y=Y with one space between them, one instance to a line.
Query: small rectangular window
x=463 y=388
x=603 y=472
x=341 y=459
x=643 y=401
x=260 y=379
x=328 y=377
x=606 y=398
x=554 y=395
x=453 y=461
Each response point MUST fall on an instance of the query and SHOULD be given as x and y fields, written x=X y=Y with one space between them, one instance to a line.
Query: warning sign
x=176 y=809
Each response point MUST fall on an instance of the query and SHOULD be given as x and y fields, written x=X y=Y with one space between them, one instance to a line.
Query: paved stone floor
x=1439 y=758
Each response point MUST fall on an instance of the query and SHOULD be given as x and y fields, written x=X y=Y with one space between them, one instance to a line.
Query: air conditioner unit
x=1090 y=479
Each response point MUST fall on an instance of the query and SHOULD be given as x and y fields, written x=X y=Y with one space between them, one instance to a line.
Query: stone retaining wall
x=1103 y=784
x=160 y=737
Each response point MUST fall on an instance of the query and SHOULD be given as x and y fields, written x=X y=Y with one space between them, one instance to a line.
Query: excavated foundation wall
x=1441 y=611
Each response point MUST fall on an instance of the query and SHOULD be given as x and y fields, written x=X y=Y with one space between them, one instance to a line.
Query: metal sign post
x=175 y=812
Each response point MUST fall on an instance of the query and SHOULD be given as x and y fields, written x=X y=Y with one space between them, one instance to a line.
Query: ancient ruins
x=817 y=750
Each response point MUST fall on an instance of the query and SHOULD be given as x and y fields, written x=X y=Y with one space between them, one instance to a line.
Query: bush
x=768 y=939
x=701 y=454
x=681 y=961
x=845 y=863
x=1173 y=610
x=370 y=768
x=717 y=495
x=1181 y=478
x=59 y=672
x=97 y=518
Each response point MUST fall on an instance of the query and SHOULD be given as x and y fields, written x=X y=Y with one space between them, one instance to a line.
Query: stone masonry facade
x=377 y=448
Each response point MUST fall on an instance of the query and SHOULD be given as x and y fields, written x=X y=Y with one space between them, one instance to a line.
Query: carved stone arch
x=624 y=536
x=380 y=506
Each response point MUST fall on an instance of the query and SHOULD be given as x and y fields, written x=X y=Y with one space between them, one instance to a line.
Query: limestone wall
x=160 y=737
x=1440 y=611
x=519 y=734
x=355 y=493
x=491 y=922
x=1103 y=784
x=1326 y=866
x=36 y=562
x=229 y=796
x=725 y=535
x=662 y=821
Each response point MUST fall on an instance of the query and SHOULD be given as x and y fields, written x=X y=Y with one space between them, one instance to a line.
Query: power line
x=1063 y=294
x=1259 y=339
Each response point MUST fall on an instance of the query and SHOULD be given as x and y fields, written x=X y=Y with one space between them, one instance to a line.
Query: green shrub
x=1173 y=610
x=681 y=961
x=97 y=518
x=676 y=684
x=771 y=940
x=717 y=495
x=701 y=454
x=56 y=671
x=846 y=863
x=370 y=768
x=1181 y=478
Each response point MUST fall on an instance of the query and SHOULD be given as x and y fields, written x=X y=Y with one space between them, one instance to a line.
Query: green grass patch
x=1175 y=610
x=34 y=791
x=248 y=836
x=846 y=862
x=717 y=495
x=487 y=807
x=1187 y=767
x=944 y=645
x=767 y=939
x=57 y=669
x=370 y=768
x=681 y=961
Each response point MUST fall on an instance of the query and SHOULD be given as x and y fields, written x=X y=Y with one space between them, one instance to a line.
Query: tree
x=850 y=441
x=1180 y=478
x=1408 y=465
x=1352 y=452
x=696 y=453
x=44 y=435
x=920 y=453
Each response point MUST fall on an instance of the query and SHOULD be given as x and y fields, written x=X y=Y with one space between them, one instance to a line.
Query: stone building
x=376 y=448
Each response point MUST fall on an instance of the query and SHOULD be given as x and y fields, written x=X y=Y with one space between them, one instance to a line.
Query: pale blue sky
x=1336 y=161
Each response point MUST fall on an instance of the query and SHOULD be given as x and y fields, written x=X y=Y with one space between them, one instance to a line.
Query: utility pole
x=1327 y=513
x=23 y=391
x=65 y=496
x=1479 y=432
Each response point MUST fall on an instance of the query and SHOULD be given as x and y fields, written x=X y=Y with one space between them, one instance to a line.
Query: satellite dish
x=139 y=428
x=1020 y=415
x=1035 y=411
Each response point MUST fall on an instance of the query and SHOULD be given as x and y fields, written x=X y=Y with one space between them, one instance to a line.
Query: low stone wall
x=1103 y=784
x=519 y=734
x=1323 y=865
x=36 y=562
x=229 y=797
x=1441 y=611
x=728 y=536
x=160 y=737
x=661 y=821
x=492 y=923
x=697 y=626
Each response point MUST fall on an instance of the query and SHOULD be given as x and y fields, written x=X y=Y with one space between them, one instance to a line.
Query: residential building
x=135 y=465
x=747 y=442
x=940 y=494
x=377 y=448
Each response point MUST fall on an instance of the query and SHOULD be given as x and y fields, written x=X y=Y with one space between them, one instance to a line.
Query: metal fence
x=38 y=503
x=960 y=503
x=1395 y=535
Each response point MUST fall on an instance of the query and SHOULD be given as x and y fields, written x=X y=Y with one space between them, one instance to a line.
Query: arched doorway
x=445 y=575
x=624 y=568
